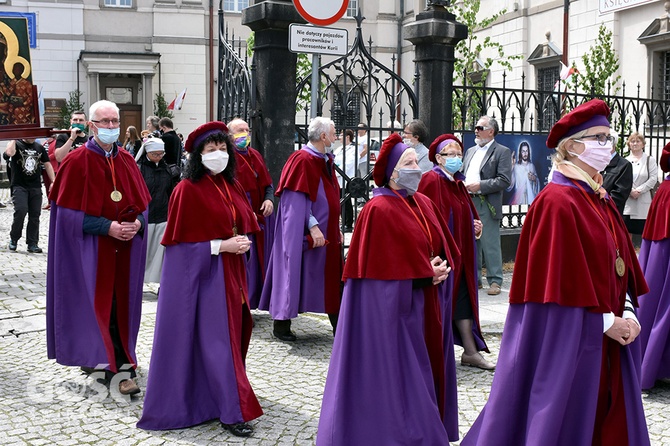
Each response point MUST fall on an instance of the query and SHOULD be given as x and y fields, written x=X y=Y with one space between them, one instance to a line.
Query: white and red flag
x=178 y=101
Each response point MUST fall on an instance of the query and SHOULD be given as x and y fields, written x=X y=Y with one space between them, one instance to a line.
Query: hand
x=74 y=131
x=478 y=227
x=238 y=244
x=622 y=332
x=440 y=270
x=635 y=194
x=531 y=176
x=317 y=236
x=473 y=187
x=267 y=207
x=123 y=231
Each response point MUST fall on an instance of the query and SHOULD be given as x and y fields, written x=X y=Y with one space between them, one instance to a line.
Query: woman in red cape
x=389 y=381
x=203 y=323
x=566 y=374
x=444 y=185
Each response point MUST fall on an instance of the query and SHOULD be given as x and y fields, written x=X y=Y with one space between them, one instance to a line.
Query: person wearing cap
x=488 y=172
x=97 y=250
x=404 y=391
x=203 y=322
x=253 y=175
x=305 y=269
x=566 y=372
x=444 y=185
x=655 y=306
x=160 y=180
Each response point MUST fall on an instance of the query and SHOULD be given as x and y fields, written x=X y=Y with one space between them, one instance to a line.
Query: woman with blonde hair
x=645 y=177
x=133 y=142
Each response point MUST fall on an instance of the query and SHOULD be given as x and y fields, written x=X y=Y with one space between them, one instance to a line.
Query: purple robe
x=654 y=312
x=380 y=388
x=74 y=336
x=255 y=271
x=193 y=378
x=295 y=281
x=545 y=388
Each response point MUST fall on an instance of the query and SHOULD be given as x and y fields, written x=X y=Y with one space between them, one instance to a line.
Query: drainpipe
x=211 y=60
x=399 y=49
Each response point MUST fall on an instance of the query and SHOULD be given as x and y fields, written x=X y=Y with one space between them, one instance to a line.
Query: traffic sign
x=321 y=12
x=318 y=40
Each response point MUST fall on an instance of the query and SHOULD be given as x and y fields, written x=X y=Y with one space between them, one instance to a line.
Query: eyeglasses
x=446 y=155
x=106 y=122
x=601 y=138
x=480 y=128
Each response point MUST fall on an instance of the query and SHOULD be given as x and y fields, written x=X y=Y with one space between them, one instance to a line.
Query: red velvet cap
x=439 y=144
x=389 y=154
x=589 y=114
x=197 y=136
x=665 y=158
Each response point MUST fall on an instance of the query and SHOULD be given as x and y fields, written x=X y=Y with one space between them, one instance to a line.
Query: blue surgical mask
x=453 y=165
x=108 y=136
x=409 y=180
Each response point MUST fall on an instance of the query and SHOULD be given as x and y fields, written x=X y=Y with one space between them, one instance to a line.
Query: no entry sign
x=321 y=12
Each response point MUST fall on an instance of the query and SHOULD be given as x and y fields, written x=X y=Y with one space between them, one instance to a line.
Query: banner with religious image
x=17 y=96
x=531 y=164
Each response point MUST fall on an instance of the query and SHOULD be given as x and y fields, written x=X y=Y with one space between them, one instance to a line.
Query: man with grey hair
x=97 y=247
x=306 y=260
x=488 y=172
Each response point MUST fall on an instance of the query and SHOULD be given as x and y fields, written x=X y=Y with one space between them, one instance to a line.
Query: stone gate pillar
x=274 y=123
x=435 y=34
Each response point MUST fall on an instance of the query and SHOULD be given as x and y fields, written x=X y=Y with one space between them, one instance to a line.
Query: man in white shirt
x=488 y=172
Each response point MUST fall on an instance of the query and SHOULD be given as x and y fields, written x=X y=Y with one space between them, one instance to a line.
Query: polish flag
x=566 y=72
x=178 y=101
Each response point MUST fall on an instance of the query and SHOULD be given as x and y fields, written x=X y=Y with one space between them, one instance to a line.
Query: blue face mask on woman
x=453 y=165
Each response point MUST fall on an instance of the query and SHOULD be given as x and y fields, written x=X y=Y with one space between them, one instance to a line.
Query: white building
x=128 y=50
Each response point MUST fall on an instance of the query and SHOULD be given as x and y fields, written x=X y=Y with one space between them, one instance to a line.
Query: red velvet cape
x=566 y=254
x=302 y=173
x=84 y=183
x=87 y=183
x=253 y=175
x=389 y=243
x=657 y=226
x=454 y=203
x=197 y=212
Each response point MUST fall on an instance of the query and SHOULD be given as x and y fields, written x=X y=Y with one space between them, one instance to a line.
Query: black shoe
x=12 y=245
x=282 y=331
x=238 y=429
x=33 y=249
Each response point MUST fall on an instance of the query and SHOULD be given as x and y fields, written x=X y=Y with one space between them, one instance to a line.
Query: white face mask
x=595 y=155
x=215 y=161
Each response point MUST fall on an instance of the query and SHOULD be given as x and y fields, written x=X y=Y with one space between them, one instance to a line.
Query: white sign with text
x=318 y=40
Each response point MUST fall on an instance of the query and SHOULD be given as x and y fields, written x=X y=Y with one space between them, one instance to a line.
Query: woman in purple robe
x=203 y=322
x=654 y=311
x=566 y=374
x=389 y=381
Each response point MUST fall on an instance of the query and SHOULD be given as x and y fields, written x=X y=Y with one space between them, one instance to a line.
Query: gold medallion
x=116 y=196
x=620 y=266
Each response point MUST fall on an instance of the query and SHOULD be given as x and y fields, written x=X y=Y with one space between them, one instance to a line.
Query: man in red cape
x=306 y=261
x=97 y=254
x=253 y=175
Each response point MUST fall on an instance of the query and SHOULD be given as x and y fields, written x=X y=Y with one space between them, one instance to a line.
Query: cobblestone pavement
x=42 y=402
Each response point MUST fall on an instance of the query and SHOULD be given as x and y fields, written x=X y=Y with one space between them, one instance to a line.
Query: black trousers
x=26 y=201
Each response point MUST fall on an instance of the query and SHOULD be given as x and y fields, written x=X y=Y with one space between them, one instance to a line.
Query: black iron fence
x=533 y=112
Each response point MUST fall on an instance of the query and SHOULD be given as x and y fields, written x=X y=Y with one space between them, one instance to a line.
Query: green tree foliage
x=601 y=62
x=470 y=49
x=160 y=107
x=467 y=61
x=73 y=104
